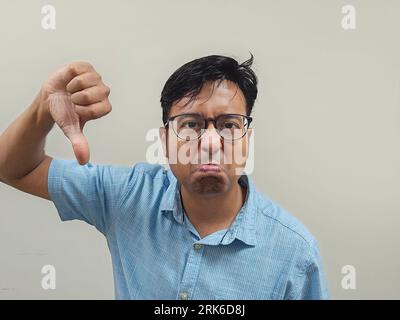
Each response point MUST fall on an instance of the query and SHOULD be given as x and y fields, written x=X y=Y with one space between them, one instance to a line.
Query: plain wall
x=326 y=123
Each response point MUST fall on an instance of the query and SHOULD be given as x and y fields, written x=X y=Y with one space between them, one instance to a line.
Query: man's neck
x=210 y=214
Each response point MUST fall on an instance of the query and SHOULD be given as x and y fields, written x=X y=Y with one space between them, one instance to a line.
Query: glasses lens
x=188 y=127
x=232 y=127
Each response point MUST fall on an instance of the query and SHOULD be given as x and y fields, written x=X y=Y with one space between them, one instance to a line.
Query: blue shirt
x=158 y=254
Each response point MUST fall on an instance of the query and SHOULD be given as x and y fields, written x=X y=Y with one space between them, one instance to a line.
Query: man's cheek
x=236 y=153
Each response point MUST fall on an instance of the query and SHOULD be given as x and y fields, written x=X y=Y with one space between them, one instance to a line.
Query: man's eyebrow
x=189 y=113
x=200 y=114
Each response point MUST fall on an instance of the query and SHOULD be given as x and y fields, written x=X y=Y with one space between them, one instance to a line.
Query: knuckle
x=84 y=96
x=92 y=113
x=79 y=82
x=85 y=64
x=75 y=66
x=107 y=90
x=71 y=68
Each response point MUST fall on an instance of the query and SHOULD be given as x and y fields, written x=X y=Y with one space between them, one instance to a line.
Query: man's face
x=189 y=160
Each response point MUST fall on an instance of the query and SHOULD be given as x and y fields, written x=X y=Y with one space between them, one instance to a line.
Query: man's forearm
x=22 y=143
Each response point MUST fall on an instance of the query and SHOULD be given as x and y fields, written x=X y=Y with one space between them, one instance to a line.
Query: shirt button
x=197 y=246
x=183 y=295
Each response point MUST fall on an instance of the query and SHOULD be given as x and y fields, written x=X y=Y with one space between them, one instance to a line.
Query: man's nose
x=210 y=144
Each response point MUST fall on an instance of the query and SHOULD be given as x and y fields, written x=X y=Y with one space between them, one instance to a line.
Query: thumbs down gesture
x=73 y=95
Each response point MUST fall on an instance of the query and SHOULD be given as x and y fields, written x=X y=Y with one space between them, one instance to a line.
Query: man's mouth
x=210 y=167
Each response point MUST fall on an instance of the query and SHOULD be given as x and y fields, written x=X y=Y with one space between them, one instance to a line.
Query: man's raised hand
x=73 y=95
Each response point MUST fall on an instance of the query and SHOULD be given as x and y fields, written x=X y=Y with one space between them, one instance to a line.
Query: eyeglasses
x=191 y=126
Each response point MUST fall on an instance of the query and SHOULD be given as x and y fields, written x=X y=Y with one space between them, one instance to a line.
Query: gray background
x=327 y=123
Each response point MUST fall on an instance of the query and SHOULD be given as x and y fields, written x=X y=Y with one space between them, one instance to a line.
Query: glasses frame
x=214 y=122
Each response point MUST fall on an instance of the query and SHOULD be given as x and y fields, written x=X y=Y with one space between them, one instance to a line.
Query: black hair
x=189 y=79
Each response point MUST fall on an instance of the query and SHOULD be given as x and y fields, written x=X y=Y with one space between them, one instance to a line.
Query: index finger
x=71 y=70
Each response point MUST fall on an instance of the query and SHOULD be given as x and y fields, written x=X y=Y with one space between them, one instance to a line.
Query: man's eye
x=189 y=124
x=231 y=125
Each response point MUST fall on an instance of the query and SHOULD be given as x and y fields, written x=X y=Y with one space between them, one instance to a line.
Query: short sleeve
x=312 y=282
x=90 y=193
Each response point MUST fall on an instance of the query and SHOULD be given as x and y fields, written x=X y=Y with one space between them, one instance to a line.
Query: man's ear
x=164 y=140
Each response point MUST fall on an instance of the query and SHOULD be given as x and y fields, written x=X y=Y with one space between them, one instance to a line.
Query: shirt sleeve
x=312 y=283
x=90 y=193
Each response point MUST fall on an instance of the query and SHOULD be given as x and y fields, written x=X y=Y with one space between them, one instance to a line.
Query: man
x=200 y=230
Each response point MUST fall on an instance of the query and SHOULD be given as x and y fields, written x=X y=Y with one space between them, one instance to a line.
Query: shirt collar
x=242 y=228
x=171 y=199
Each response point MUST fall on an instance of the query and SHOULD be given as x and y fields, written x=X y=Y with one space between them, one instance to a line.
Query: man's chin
x=209 y=184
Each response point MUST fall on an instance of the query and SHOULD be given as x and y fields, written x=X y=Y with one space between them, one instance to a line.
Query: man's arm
x=73 y=95
x=312 y=283
x=23 y=163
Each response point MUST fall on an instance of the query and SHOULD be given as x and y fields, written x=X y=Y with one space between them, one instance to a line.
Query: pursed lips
x=209 y=167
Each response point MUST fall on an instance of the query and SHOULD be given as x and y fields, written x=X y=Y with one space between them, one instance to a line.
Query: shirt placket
x=190 y=275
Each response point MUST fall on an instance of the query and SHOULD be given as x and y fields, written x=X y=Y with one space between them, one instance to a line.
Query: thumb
x=79 y=143
x=62 y=111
